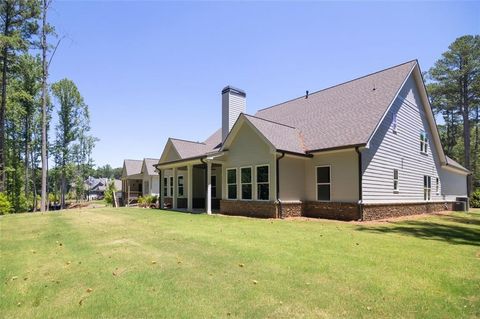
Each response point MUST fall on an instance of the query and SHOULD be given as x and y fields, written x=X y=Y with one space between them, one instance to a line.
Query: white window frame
x=227 y=184
x=394 y=122
x=146 y=187
x=437 y=185
x=165 y=186
x=396 y=181
x=329 y=184
x=423 y=142
x=216 y=185
x=251 y=182
x=170 y=186
x=256 y=183
x=178 y=186
x=427 y=189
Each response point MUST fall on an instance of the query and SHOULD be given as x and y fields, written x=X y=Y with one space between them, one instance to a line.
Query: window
x=145 y=187
x=232 y=183
x=323 y=183
x=423 y=142
x=427 y=187
x=437 y=186
x=395 y=180
x=165 y=186
x=246 y=182
x=213 y=183
x=394 y=122
x=263 y=183
x=180 y=185
x=171 y=186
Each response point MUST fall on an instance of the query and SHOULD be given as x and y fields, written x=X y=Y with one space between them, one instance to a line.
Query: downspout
x=360 y=200
x=206 y=182
x=277 y=179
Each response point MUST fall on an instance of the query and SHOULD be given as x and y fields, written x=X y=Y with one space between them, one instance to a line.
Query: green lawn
x=129 y=262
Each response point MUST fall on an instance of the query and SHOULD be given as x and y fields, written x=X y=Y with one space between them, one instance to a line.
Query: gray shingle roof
x=132 y=167
x=282 y=137
x=342 y=115
x=451 y=162
x=149 y=162
x=345 y=114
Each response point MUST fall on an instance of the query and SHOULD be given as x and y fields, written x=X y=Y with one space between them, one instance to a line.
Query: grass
x=124 y=263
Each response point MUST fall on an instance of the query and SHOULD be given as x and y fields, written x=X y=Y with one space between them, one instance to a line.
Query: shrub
x=108 y=196
x=5 y=206
x=147 y=201
x=475 y=199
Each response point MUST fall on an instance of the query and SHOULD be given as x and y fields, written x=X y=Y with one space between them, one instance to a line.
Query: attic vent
x=306 y=94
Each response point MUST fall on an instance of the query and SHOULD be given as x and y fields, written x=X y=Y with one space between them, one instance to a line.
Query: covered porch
x=193 y=185
x=132 y=189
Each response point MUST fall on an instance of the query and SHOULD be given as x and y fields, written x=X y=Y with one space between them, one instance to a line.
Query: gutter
x=180 y=160
x=336 y=148
x=277 y=179
x=360 y=199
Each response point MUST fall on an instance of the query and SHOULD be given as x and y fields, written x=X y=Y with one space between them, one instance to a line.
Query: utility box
x=466 y=202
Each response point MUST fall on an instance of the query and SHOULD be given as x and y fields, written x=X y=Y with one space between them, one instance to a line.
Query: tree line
x=28 y=102
x=454 y=91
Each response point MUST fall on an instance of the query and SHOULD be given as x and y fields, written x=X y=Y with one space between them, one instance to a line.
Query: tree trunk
x=44 y=107
x=466 y=127
x=3 y=107
x=27 y=150
x=475 y=149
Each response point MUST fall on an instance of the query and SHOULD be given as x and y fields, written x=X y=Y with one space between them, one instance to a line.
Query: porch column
x=189 y=188
x=174 y=195
x=160 y=190
x=209 y=187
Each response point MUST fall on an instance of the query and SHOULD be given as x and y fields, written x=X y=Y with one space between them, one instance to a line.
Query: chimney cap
x=234 y=90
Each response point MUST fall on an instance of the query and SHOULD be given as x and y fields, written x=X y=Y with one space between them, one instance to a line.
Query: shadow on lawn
x=459 y=233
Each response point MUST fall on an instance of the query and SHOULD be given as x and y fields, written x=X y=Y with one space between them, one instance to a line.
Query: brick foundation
x=258 y=209
x=381 y=211
x=331 y=210
x=290 y=209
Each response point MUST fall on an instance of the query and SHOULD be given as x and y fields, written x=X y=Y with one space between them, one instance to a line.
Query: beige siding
x=344 y=175
x=400 y=150
x=292 y=178
x=249 y=149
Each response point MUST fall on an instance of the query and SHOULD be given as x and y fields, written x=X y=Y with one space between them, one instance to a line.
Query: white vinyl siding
x=401 y=151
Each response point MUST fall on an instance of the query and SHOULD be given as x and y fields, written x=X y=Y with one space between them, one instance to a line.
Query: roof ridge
x=179 y=139
x=128 y=159
x=271 y=121
x=150 y=158
x=342 y=83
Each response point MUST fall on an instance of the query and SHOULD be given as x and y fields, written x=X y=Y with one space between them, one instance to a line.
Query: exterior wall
x=292 y=178
x=153 y=184
x=400 y=150
x=453 y=184
x=381 y=211
x=248 y=149
x=344 y=175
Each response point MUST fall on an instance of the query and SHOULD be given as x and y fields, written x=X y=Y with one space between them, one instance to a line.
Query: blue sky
x=151 y=70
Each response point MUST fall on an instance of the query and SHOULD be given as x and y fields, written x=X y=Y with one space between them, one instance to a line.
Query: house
x=96 y=187
x=365 y=149
x=139 y=179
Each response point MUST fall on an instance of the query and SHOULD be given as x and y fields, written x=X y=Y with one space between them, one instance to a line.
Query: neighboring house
x=139 y=179
x=150 y=177
x=365 y=149
x=96 y=187
x=132 y=181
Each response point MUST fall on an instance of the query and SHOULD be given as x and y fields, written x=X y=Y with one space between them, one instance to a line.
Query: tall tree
x=72 y=119
x=18 y=24
x=456 y=77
